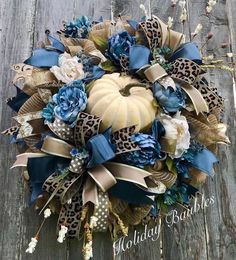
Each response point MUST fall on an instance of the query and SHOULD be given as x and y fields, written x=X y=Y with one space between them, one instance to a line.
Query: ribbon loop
x=155 y=72
x=103 y=177
x=56 y=147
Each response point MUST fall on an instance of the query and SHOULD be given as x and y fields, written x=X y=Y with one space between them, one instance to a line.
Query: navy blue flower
x=70 y=100
x=118 y=45
x=169 y=99
x=147 y=155
x=48 y=112
x=183 y=163
x=179 y=192
x=78 y=28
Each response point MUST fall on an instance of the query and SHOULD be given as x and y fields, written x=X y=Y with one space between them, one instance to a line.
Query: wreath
x=116 y=123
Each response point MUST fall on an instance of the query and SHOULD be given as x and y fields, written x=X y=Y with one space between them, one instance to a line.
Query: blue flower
x=48 y=112
x=179 y=192
x=147 y=155
x=79 y=153
x=169 y=99
x=118 y=45
x=70 y=100
x=78 y=28
x=183 y=163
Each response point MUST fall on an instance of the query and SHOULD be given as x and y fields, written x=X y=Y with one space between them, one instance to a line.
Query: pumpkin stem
x=126 y=90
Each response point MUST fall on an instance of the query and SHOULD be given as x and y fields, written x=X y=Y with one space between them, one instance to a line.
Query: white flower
x=142 y=7
x=183 y=16
x=209 y=9
x=170 y=22
x=69 y=201
x=198 y=29
x=209 y=57
x=69 y=69
x=88 y=250
x=210 y=5
x=32 y=245
x=62 y=234
x=230 y=55
x=177 y=129
x=182 y=4
x=93 y=222
x=47 y=213
x=174 y=2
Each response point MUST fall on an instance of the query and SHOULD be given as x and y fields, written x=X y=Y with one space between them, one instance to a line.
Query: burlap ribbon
x=32 y=77
x=26 y=122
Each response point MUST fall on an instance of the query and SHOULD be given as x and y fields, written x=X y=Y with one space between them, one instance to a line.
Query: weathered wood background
x=210 y=234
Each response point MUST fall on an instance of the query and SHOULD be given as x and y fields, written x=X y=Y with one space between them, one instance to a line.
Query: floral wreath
x=116 y=122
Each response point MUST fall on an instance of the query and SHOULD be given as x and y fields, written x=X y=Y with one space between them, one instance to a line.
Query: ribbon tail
x=22 y=159
x=197 y=99
x=90 y=193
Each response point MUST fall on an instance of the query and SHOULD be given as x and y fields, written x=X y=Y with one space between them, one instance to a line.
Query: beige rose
x=69 y=69
x=177 y=128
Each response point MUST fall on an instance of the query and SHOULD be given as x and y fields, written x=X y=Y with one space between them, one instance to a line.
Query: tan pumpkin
x=121 y=101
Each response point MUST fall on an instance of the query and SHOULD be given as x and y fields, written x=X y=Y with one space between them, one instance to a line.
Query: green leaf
x=170 y=165
x=108 y=66
x=100 y=42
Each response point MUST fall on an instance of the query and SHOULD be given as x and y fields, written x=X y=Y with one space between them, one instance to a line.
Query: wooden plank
x=221 y=219
x=186 y=239
x=209 y=235
x=16 y=34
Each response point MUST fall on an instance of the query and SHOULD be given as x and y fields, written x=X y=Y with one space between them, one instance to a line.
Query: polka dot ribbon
x=101 y=212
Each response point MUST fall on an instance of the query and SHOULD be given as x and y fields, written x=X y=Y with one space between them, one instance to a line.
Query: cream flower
x=69 y=69
x=62 y=234
x=88 y=250
x=183 y=16
x=177 y=128
x=210 y=5
x=230 y=55
x=170 y=22
x=47 y=213
x=93 y=222
x=32 y=245
x=198 y=29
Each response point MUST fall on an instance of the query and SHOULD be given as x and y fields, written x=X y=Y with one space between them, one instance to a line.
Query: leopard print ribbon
x=158 y=34
x=65 y=188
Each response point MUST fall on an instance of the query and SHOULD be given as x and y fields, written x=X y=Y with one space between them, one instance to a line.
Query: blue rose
x=150 y=151
x=78 y=28
x=169 y=99
x=70 y=100
x=118 y=45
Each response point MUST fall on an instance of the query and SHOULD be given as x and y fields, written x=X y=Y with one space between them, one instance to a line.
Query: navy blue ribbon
x=56 y=44
x=40 y=168
x=96 y=73
x=131 y=193
x=48 y=57
x=204 y=161
x=43 y=58
x=139 y=56
x=101 y=149
x=16 y=102
x=189 y=51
